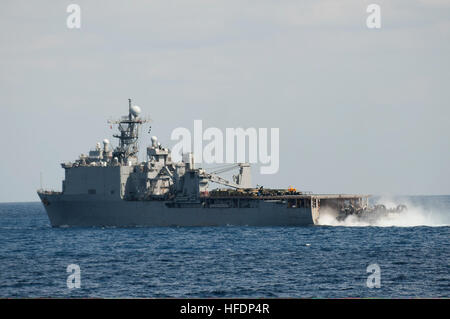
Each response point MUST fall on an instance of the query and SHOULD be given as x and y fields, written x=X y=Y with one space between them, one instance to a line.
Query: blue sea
x=327 y=261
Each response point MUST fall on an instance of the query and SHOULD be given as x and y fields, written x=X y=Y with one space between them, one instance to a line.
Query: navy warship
x=110 y=187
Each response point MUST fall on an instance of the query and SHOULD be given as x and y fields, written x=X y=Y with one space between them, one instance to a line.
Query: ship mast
x=128 y=136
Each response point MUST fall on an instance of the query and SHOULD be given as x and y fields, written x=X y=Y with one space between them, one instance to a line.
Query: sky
x=359 y=110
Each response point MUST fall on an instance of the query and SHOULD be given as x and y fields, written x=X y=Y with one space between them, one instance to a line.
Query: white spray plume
x=414 y=216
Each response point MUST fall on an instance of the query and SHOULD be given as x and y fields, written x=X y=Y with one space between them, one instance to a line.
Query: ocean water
x=327 y=261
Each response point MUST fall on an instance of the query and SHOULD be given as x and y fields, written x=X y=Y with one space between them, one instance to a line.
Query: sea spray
x=415 y=215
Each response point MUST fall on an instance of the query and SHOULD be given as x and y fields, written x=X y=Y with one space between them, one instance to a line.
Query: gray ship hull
x=81 y=211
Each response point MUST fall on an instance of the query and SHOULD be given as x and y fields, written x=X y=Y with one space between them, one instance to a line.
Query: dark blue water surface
x=316 y=261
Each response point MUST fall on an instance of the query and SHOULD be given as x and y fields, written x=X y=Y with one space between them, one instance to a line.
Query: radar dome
x=135 y=110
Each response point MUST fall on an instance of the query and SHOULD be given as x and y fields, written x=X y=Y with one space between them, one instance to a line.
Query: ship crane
x=219 y=180
x=241 y=181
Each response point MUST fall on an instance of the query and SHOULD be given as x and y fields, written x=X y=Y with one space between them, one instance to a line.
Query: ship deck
x=300 y=196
